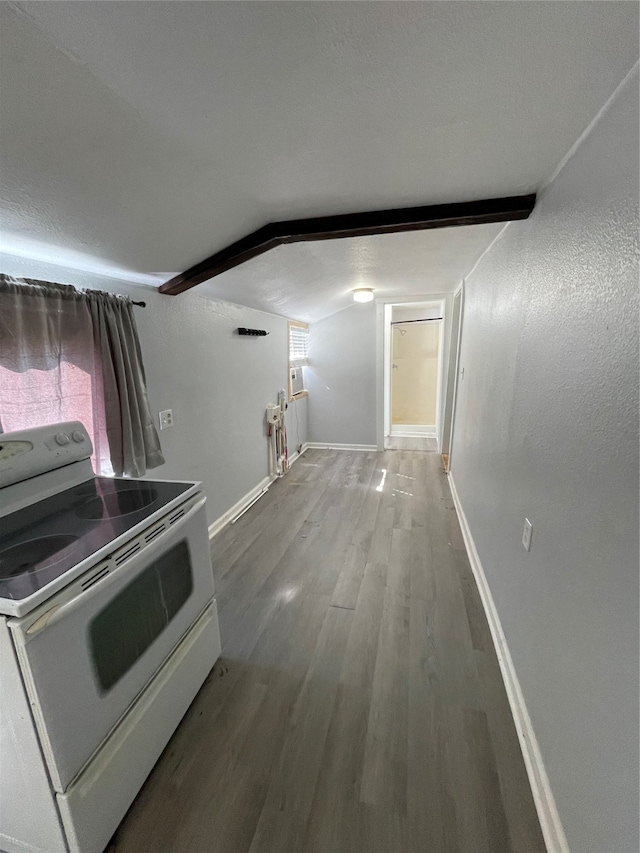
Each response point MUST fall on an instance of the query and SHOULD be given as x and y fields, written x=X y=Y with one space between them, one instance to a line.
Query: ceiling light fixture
x=363 y=294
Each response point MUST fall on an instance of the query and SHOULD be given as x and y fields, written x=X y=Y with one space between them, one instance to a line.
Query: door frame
x=458 y=348
x=452 y=370
x=384 y=307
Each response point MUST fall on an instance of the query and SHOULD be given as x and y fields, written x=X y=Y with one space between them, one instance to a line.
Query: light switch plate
x=526 y=535
x=166 y=419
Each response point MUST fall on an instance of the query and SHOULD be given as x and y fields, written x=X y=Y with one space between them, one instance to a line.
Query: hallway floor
x=358 y=705
x=401 y=442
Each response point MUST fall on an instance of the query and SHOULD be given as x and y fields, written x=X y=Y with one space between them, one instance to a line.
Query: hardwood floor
x=358 y=706
x=400 y=442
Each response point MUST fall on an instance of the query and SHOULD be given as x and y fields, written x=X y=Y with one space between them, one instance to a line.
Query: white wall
x=345 y=375
x=216 y=382
x=547 y=427
x=341 y=378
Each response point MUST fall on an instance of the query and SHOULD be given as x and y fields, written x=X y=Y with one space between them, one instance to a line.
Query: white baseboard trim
x=315 y=445
x=548 y=816
x=240 y=506
x=413 y=431
x=297 y=455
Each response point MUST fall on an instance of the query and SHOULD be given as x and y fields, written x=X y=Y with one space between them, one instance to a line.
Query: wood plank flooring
x=402 y=442
x=358 y=706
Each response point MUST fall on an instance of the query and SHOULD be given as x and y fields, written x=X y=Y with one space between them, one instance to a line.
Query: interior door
x=90 y=651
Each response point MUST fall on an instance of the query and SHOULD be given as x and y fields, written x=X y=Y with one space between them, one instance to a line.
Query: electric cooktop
x=44 y=540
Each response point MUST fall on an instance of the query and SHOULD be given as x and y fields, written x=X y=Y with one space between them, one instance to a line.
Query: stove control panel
x=14 y=448
x=28 y=452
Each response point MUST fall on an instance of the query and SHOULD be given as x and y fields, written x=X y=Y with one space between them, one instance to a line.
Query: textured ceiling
x=308 y=281
x=138 y=138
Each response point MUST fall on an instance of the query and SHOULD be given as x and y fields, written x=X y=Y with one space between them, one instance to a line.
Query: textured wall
x=342 y=377
x=218 y=385
x=216 y=382
x=546 y=427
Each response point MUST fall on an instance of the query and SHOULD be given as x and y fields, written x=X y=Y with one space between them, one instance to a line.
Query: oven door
x=91 y=650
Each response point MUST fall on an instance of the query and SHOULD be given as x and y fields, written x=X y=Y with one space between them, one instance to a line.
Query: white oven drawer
x=99 y=798
x=90 y=651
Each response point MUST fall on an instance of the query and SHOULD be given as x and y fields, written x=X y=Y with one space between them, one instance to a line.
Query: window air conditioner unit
x=297 y=384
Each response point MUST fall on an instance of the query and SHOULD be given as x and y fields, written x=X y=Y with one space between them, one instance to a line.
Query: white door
x=88 y=652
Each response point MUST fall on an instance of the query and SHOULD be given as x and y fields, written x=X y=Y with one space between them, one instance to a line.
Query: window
x=298 y=358
x=50 y=368
x=67 y=355
x=126 y=627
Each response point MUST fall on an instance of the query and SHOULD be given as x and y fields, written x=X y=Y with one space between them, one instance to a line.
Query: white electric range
x=108 y=628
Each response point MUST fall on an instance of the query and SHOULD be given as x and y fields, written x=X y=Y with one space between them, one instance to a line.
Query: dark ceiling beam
x=351 y=225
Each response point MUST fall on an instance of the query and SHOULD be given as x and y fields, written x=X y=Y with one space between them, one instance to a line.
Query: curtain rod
x=426 y=320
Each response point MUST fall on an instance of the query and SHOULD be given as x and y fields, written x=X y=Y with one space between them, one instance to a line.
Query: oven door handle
x=59 y=611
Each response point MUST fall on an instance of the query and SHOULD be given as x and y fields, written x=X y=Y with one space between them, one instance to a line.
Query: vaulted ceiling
x=138 y=138
x=308 y=281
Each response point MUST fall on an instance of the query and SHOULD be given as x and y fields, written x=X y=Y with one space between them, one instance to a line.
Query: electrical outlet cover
x=526 y=534
x=166 y=419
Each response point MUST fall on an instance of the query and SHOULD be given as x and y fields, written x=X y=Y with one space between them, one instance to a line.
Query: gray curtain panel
x=133 y=439
x=71 y=355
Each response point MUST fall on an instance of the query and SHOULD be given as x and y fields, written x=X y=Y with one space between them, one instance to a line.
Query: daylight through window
x=298 y=358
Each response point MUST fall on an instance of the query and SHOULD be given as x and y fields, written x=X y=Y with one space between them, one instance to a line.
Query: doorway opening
x=414 y=336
